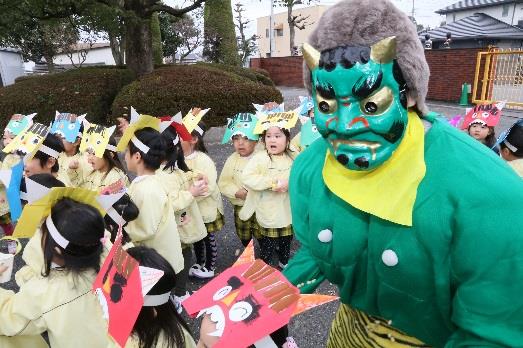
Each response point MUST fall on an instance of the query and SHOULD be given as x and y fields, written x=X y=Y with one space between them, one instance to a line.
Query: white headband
x=111 y=148
x=141 y=146
x=47 y=150
x=57 y=236
x=117 y=218
x=176 y=140
x=199 y=130
x=155 y=300
x=510 y=146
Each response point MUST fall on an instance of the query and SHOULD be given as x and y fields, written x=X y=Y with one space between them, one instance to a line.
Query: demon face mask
x=360 y=101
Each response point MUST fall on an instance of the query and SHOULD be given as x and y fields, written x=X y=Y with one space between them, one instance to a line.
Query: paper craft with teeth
x=176 y=122
x=19 y=123
x=285 y=120
x=67 y=126
x=243 y=124
x=191 y=121
x=96 y=138
x=248 y=301
x=29 y=141
x=487 y=114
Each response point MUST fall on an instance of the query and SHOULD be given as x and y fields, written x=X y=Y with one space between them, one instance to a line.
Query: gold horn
x=311 y=56
x=384 y=51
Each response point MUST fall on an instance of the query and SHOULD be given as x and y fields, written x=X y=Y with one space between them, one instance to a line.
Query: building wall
x=281 y=43
x=449 y=68
x=515 y=13
x=11 y=66
x=102 y=56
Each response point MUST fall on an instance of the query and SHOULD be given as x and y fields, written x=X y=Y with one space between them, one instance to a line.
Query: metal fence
x=499 y=77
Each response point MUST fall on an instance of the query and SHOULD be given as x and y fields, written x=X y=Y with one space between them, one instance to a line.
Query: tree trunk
x=117 y=49
x=138 y=45
x=156 y=40
x=291 y=29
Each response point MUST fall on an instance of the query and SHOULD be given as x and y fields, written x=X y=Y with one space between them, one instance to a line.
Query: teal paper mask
x=18 y=123
x=306 y=104
x=360 y=101
x=243 y=124
x=309 y=132
x=67 y=126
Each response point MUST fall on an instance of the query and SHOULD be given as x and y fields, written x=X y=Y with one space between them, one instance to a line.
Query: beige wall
x=281 y=43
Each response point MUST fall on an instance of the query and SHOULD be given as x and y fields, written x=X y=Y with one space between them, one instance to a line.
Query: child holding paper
x=240 y=130
x=60 y=301
x=266 y=177
x=210 y=204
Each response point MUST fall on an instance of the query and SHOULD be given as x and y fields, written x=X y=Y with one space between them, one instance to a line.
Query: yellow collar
x=389 y=191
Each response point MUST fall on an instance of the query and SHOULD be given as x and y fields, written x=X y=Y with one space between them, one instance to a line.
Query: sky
x=423 y=9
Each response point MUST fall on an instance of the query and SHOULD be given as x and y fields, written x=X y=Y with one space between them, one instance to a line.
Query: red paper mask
x=488 y=114
x=248 y=301
x=178 y=126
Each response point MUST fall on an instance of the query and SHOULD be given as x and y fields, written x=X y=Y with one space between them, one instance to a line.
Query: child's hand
x=207 y=327
x=202 y=177
x=74 y=164
x=198 y=189
x=241 y=194
x=281 y=185
x=122 y=124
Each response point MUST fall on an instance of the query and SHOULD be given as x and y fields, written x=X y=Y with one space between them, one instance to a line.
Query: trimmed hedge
x=251 y=74
x=85 y=90
x=179 y=87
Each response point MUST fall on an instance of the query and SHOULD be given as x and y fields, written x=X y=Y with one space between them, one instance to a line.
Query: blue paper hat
x=67 y=125
x=242 y=123
x=309 y=133
x=11 y=178
x=306 y=105
x=19 y=123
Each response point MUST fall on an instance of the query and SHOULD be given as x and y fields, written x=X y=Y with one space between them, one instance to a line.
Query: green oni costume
x=418 y=224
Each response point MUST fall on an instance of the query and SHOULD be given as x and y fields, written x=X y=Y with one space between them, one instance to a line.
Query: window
x=279 y=32
x=266 y=32
x=506 y=8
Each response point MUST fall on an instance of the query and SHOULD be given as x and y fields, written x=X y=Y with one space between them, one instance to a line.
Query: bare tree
x=190 y=37
x=295 y=21
x=246 y=45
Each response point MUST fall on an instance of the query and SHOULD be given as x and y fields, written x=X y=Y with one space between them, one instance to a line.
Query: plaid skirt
x=246 y=229
x=216 y=225
x=276 y=232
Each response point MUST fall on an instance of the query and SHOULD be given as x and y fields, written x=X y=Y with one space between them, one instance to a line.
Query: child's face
x=70 y=147
x=275 y=141
x=8 y=137
x=97 y=163
x=243 y=145
x=131 y=160
x=479 y=131
x=33 y=167
x=188 y=146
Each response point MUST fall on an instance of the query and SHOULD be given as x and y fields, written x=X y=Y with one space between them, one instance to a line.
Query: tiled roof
x=476 y=26
x=469 y=4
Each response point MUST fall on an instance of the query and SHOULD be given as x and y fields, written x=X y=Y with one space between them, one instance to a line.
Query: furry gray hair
x=365 y=22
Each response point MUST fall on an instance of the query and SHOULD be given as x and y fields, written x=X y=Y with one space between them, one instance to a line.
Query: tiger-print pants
x=353 y=328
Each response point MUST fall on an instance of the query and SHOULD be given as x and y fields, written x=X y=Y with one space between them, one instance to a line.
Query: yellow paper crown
x=143 y=121
x=285 y=120
x=191 y=121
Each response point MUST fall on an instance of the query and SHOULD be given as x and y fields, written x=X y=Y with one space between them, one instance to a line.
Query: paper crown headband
x=285 y=120
x=140 y=122
x=176 y=122
x=275 y=107
x=190 y=121
x=30 y=141
x=249 y=300
x=41 y=200
x=306 y=105
x=19 y=123
x=95 y=139
x=309 y=132
x=243 y=124
x=488 y=114
x=67 y=125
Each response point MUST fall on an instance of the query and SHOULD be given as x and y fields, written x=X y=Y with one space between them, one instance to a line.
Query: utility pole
x=271 y=30
x=413 y=9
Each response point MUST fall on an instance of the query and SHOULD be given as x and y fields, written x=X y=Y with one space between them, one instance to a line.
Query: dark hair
x=55 y=143
x=174 y=153
x=83 y=226
x=154 y=321
x=113 y=161
x=126 y=208
x=287 y=134
x=490 y=140
x=427 y=37
x=44 y=179
x=200 y=145
x=150 y=137
x=515 y=138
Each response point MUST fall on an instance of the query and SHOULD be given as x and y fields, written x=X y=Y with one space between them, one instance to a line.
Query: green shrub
x=179 y=87
x=86 y=90
x=251 y=74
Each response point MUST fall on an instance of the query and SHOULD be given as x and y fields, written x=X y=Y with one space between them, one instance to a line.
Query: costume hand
x=74 y=164
x=241 y=194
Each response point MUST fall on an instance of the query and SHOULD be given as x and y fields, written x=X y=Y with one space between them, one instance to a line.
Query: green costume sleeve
x=302 y=270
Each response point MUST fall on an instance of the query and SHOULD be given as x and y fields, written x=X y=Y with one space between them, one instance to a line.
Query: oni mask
x=248 y=301
x=360 y=101
x=19 y=123
x=95 y=138
x=243 y=124
x=67 y=126
x=488 y=115
x=29 y=140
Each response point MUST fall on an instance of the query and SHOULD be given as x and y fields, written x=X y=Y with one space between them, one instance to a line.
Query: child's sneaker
x=203 y=273
x=290 y=343
x=193 y=268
